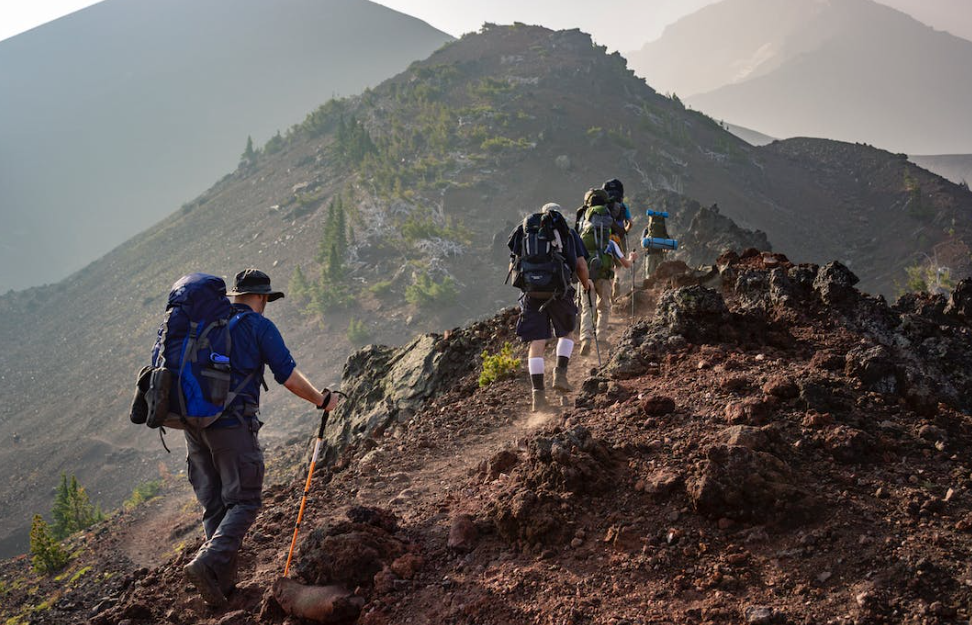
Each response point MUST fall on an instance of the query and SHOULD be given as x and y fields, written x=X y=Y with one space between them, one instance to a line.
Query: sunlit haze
x=619 y=24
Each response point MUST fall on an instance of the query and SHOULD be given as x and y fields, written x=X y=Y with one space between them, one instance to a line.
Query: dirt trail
x=161 y=526
x=446 y=467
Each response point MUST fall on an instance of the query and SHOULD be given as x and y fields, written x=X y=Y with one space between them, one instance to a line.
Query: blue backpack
x=188 y=383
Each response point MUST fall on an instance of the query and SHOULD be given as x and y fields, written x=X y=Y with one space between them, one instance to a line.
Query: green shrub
x=427 y=293
x=47 y=555
x=274 y=144
x=329 y=297
x=358 y=333
x=80 y=573
x=498 y=367
x=498 y=144
x=423 y=224
x=490 y=87
x=142 y=493
x=381 y=288
x=299 y=288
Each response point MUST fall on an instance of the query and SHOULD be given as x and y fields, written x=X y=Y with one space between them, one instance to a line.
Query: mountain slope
x=115 y=115
x=955 y=167
x=435 y=165
x=777 y=449
x=952 y=16
x=853 y=70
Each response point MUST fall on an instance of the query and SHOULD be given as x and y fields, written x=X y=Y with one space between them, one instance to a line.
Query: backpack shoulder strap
x=233 y=322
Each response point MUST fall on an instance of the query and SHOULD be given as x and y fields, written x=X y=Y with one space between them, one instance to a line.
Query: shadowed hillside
x=115 y=115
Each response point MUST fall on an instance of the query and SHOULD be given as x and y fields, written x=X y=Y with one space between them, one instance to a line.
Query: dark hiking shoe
x=227 y=579
x=560 y=380
x=539 y=400
x=203 y=578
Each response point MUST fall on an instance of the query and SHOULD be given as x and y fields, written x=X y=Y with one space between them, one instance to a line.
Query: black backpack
x=541 y=269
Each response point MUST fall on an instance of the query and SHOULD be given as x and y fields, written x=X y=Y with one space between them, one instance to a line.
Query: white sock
x=565 y=347
x=535 y=365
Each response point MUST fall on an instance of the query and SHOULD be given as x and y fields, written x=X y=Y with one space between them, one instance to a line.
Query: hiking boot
x=227 y=580
x=539 y=400
x=204 y=580
x=560 y=380
x=585 y=348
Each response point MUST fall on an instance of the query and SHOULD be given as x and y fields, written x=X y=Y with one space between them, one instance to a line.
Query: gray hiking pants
x=225 y=467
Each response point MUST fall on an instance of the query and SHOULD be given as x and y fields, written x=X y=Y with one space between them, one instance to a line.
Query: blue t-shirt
x=256 y=343
x=622 y=215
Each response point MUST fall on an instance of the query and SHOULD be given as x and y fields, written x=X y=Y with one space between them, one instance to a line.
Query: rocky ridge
x=774 y=448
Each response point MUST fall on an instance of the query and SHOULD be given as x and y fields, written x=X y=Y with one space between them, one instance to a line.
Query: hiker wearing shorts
x=542 y=316
x=225 y=461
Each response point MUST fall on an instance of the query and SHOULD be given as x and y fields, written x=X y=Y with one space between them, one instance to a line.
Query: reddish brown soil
x=747 y=476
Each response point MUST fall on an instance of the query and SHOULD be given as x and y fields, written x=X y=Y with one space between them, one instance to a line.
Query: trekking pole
x=632 y=269
x=307 y=485
x=597 y=348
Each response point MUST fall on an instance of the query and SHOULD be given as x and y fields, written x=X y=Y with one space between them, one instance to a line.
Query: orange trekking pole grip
x=303 y=500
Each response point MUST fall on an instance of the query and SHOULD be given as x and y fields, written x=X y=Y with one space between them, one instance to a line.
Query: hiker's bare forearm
x=582 y=273
x=300 y=386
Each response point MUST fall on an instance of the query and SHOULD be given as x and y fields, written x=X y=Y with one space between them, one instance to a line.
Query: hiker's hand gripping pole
x=310 y=474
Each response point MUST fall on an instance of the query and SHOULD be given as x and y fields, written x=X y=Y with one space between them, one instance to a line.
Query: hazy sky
x=623 y=25
x=619 y=24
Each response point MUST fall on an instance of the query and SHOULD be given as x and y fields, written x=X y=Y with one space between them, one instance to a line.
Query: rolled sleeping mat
x=652 y=213
x=659 y=244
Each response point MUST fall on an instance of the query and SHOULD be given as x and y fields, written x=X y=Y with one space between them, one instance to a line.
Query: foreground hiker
x=547 y=257
x=225 y=460
x=596 y=231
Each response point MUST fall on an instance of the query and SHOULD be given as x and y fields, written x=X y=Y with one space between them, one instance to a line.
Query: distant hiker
x=225 y=462
x=656 y=229
x=596 y=232
x=622 y=218
x=619 y=210
x=547 y=256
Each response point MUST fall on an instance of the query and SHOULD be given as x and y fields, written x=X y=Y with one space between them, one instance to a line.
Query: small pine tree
x=335 y=266
x=62 y=508
x=73 y=510
x=47 y=555
x=299 y=287
x=358 y=333
x=249 y=154
x=324 y=246
x=340 y=228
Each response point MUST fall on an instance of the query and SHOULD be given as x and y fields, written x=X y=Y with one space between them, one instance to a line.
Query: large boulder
x=391 y=384
x=834 y=284
x=740 y=483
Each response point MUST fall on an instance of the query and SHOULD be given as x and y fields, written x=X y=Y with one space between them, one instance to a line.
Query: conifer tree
x=340 y=228
x=47 y=555
x=249 y=155
x=73 y=510
x=324 y=247
x=299 y=288
x=335 y=266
